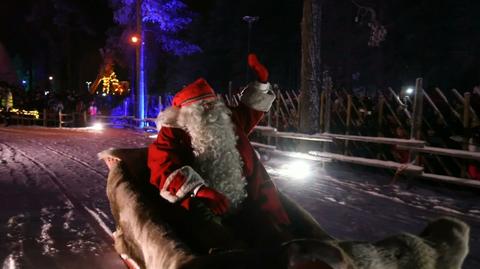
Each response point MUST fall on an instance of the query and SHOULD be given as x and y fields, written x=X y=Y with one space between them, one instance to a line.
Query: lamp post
x=249 y=20
x=50 y=83
x=138 y=40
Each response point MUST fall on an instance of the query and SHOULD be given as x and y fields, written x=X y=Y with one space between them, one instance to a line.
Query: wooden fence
x=48 y=118
x=424 y=134
x=376 y=130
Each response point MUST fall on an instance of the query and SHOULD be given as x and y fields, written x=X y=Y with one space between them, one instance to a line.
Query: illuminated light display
x=111 y=85
x=33 y=113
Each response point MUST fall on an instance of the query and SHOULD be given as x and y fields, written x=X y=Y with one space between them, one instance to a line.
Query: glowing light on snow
x=295 y=169
x=97 y=126
x=9 y=262
x=409 y=90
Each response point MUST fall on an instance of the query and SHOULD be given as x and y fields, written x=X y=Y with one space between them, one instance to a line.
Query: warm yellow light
x=33 y=113
x=134 y=39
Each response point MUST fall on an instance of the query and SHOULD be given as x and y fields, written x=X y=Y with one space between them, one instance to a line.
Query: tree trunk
x=311 y=67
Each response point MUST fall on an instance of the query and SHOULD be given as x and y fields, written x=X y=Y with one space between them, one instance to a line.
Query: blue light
x=141 y=101
x=24 y=82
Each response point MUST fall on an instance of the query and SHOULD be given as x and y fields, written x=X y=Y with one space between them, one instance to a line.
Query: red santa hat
x=197 y=91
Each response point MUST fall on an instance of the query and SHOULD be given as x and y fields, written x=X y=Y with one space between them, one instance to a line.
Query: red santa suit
x=171 y=158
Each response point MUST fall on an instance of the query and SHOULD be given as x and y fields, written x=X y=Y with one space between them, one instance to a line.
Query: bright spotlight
x=409 y=91
x=50 y=78
x=97 y=126
x=296 y=169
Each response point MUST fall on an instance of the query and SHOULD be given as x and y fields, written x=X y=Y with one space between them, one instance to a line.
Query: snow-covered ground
x=54 y=212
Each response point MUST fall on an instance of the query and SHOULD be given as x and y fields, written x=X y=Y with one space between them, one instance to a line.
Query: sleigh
x=153 y=233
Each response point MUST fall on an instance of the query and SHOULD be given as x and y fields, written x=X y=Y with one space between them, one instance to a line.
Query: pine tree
x=164 y=18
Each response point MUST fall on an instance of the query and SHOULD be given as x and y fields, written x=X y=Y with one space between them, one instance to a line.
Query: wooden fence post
x=416 y=122
x=347 y=123
x=322 y=109
x=466 y=126
x=277 y=114
x=45 y=117
x=327 y=82
x=328 y=108
x=60 y=118
x=269 y=123
x=381 y=102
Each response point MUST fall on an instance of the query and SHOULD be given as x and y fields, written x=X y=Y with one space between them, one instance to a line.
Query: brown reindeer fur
x=149 y=229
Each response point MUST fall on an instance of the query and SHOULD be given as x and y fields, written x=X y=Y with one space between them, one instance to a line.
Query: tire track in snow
x=77 y=160
x=91 y=218
x=102 y=216
x=29 y=176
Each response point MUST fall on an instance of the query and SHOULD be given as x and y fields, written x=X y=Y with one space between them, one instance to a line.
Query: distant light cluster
x=23 y=112
x=111 y=85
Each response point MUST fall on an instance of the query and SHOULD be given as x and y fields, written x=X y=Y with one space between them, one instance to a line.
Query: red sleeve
x=245 y=117
x=169 y=160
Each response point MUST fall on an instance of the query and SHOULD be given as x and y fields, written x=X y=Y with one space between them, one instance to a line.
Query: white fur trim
x=168 y=117
x=192 y=181
x=195 y=191
x=258 y=96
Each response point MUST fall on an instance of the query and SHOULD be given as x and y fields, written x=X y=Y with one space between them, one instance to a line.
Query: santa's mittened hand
x=216 y=201
x=260 y=70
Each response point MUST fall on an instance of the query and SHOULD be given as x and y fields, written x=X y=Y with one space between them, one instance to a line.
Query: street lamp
x=135 y=39
x=50 y=83
x=249 y=20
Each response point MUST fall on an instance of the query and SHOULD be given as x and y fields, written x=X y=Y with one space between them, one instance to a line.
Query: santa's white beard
x=214 y=141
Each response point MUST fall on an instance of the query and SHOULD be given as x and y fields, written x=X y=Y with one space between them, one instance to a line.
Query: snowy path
x=52 y=197
x=54 y=212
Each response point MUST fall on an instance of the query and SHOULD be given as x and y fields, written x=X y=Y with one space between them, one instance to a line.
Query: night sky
x=438 y=40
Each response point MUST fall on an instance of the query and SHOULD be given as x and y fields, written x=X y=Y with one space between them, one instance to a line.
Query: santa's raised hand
x=260 y=70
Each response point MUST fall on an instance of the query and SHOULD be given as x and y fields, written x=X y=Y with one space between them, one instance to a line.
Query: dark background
x=437 y=40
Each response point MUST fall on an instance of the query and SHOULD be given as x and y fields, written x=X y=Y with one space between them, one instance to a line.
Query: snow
x=99 y=221
x=54 y=208
x=45 y=240
x=55 y=213
x=10 y=262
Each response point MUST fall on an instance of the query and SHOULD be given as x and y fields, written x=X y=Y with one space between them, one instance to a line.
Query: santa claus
x=202 y=157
